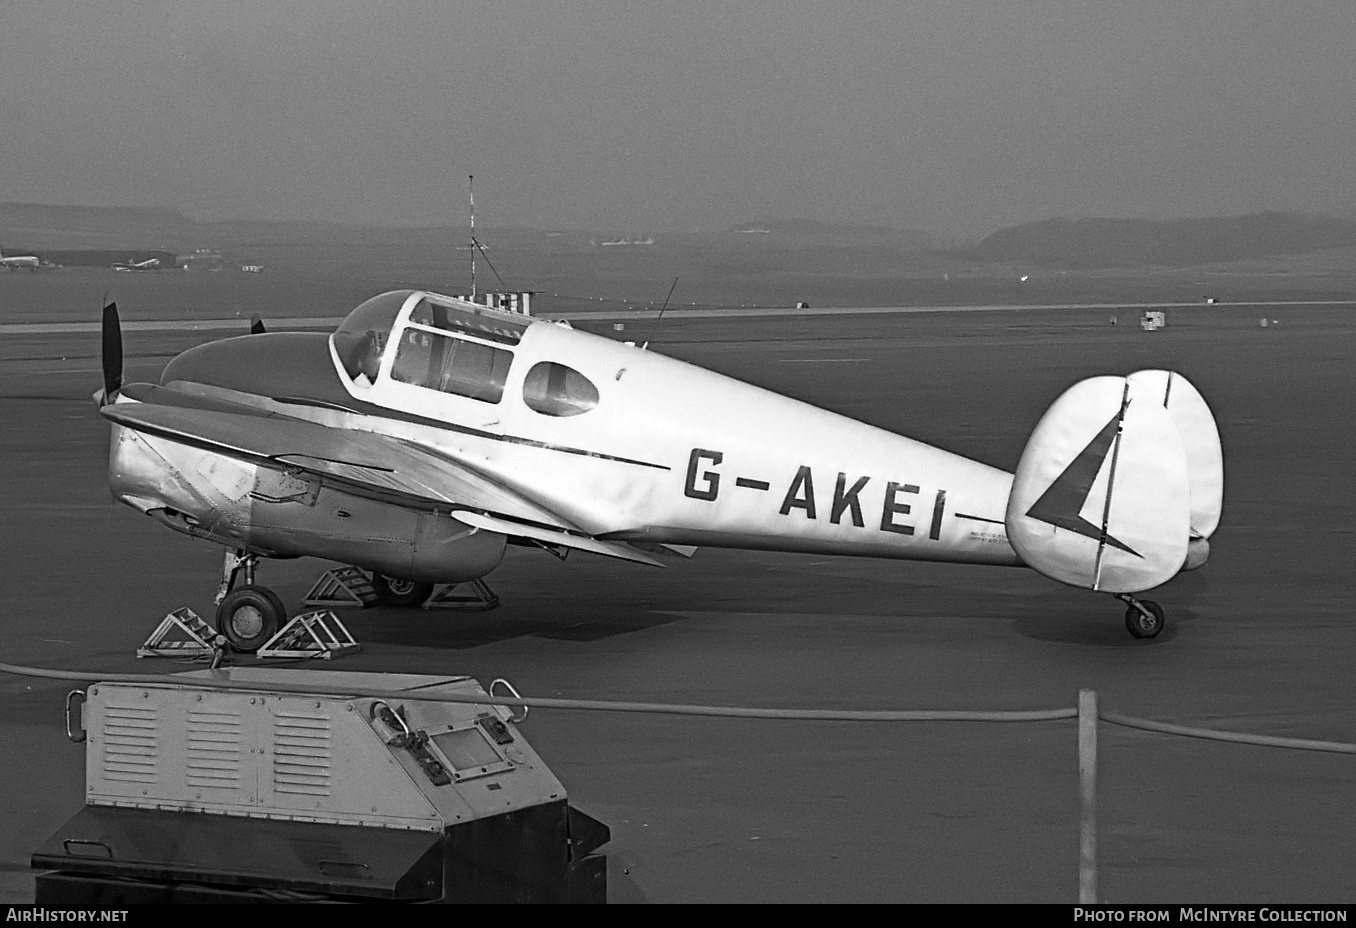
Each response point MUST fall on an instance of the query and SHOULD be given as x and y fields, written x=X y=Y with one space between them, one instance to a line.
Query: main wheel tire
x=249 y=616
x=395 y=591
x=1145 y=626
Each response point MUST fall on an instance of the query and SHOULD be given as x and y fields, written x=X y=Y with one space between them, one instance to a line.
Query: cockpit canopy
x=454 y=347
x=362 y=337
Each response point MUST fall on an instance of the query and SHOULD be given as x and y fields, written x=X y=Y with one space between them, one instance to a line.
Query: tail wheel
x=249 y=616
x=1141 y=625
x=396 y=591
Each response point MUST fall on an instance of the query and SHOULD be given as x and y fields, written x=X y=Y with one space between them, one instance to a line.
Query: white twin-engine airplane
x=150 y=264
x=427 y=433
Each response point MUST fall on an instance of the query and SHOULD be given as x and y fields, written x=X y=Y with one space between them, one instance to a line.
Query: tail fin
x=1200 y=440
x=1102 y=498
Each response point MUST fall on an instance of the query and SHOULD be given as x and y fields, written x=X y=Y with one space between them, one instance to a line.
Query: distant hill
x=1073 y=243
x=46 y=227
x=41 y=227
x=804 y=230
x=49 y=227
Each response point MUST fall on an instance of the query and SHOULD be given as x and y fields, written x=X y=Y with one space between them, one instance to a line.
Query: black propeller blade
x=256 y=326
x=112 y=352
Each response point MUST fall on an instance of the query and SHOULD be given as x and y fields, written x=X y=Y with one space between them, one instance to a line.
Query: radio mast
x=471 y=189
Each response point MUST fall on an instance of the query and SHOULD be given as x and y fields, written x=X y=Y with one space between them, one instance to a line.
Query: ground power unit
x=269 y=784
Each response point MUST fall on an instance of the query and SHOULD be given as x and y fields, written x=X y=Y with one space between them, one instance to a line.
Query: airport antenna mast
x=471 y=190
x=476 y=245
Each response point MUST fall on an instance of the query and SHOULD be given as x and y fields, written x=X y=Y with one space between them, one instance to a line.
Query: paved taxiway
x=723 y=810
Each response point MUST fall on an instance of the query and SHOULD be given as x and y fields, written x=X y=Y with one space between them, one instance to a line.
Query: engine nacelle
x=276 y=514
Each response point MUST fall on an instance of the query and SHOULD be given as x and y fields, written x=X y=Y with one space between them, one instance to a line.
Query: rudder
x=1101 y=497
x=1200 y=440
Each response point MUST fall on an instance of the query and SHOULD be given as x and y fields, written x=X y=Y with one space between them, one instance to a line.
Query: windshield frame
x=365 y=349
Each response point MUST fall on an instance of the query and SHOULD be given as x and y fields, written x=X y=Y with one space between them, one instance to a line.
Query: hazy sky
x=962 y=115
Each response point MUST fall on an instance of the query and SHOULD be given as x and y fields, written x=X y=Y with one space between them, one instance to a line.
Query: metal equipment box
x=268 y=784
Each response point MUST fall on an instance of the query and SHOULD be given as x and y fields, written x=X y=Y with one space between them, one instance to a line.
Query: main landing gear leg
x=1143 y=617
x=236 y=561
x=247 y=615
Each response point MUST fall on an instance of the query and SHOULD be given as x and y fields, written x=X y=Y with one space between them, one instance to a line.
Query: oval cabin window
x=556 y=390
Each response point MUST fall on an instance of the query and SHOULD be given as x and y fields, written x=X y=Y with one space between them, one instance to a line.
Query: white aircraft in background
x=19 y=262
x=150 y=264
x=427 y=433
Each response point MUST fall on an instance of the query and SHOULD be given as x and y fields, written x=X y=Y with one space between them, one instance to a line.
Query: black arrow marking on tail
x=1064 y=499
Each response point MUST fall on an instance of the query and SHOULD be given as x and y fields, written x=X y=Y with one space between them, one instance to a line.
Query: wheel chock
x=479 y=597
x=342 y=588
x=310 y=635
x=182 y=633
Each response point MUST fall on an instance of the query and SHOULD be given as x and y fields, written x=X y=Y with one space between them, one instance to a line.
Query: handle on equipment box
x=73 y=847
x=75 y=703
x=516 y=719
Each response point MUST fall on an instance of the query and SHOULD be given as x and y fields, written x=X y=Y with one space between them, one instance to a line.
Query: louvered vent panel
x=131 y=744
x=215 y=748
x=301 y=753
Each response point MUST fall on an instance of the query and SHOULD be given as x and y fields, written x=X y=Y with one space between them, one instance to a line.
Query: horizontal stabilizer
x=1200 y=440
x=1101 y=499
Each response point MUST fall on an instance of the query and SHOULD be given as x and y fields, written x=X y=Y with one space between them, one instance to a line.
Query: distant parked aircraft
x=150 y=264
x=18 y=262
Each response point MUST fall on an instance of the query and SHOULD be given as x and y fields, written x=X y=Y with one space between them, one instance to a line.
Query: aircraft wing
x=368 y=463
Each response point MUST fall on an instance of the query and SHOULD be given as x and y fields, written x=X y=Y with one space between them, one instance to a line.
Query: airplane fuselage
x=664 y=452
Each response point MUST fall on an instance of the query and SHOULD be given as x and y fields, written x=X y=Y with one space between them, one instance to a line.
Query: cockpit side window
x=451 y=365
x=556 y=390
x=362 y=336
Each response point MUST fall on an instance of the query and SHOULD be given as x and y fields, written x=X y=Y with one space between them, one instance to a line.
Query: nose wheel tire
x=1141 y=625
x=249 y=616
x=395 y=591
